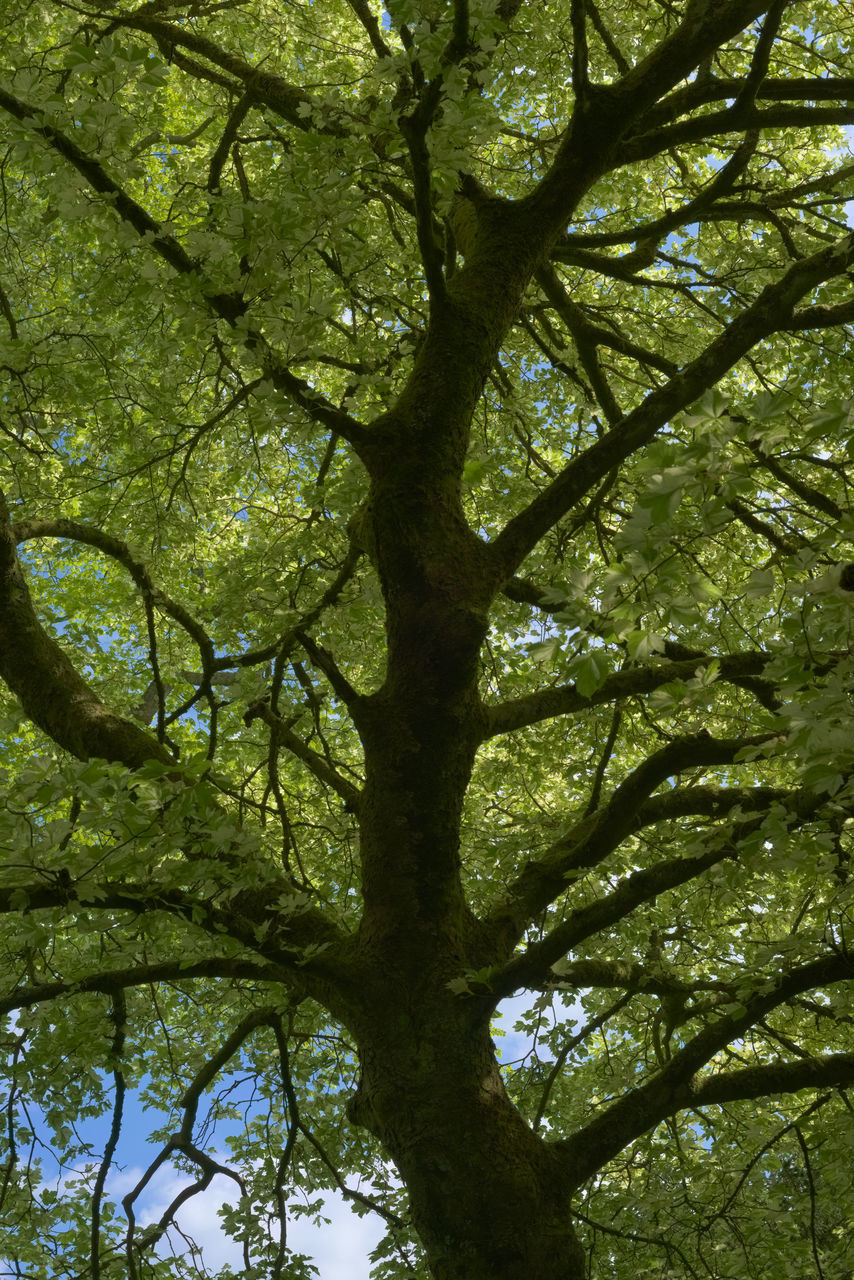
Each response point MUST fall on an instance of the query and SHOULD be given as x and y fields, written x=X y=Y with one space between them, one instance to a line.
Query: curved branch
x=584 y=330
x=50 y=689
x=90 y=535
x=532 y=966
x=285 y=644
x=119 y=1014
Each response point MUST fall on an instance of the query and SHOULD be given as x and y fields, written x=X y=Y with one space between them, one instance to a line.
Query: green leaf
x=589 y=671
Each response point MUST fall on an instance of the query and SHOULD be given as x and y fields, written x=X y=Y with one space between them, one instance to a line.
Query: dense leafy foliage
x=424 y=578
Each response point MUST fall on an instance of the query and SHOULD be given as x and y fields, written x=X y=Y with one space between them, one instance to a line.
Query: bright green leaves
x=133 y=404
x=589 y=671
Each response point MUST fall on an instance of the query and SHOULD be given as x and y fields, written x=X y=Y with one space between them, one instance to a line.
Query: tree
x=424 y=578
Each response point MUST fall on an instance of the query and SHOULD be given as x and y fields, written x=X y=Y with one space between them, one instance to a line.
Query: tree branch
x=604 y=116
x=806 y=492
x=769 y=312
x=586 y=338
x=414 y=128
x=628 y=975
x=718 y=124
x=285 y=99
x=48 y=686
x=580 y=67
x=318 y=765
x=229 y=307
x=589 y=841
x=546 y=704
x=90 y=535
x=139 y=976
x=676 y=1087
x=531 y=967
x=705 y=89
x=761 y=56
x=364 y=13
x=780 y=1077
x=265 y=919
x=584 y=330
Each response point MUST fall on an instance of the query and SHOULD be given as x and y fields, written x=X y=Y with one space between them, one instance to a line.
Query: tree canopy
x=425 y=577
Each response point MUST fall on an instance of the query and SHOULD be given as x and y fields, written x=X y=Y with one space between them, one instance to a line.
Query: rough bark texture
x=488 y=1198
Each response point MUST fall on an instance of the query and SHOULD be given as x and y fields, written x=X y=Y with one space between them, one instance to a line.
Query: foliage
x=425 y=577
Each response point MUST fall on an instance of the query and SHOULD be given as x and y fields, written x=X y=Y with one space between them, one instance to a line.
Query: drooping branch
x=92 y=536
x=50 y=689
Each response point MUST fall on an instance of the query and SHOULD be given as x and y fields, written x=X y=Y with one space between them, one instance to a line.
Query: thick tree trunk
x=488 y=1199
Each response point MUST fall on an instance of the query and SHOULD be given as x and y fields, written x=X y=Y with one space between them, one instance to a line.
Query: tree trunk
x=487 y=1197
